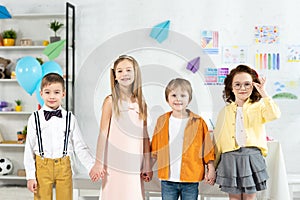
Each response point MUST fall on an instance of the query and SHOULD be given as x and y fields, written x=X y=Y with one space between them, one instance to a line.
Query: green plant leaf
x=9 y=34
x=55 y=26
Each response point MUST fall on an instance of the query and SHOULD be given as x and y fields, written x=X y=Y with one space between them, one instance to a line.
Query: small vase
x=8 y=42
x=18 y=108
x=54 y=39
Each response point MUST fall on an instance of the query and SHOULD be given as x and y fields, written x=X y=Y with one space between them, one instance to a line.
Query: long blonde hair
x=136 y=87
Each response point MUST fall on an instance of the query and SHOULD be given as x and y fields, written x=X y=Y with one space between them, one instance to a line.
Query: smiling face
x=242 y=86
x=178 y=100
x=52 y=95
x=125 y=73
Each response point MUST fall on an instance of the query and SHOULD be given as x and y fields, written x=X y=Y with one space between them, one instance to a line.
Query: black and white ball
x=6 y=166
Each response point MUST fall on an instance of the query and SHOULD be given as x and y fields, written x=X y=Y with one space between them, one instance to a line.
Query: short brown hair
x=52 y=78
x=179 y=82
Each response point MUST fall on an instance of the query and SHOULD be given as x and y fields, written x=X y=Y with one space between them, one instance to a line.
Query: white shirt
x=176 y=135
x=53 y=135
x=240 y=132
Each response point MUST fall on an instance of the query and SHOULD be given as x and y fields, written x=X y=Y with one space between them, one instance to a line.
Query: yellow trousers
x=53 y=172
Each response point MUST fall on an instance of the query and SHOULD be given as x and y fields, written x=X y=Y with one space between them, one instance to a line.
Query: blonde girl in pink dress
x=123 y=148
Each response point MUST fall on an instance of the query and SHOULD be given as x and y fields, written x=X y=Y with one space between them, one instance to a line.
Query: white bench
x=84 y=187
x=293 y=181
x=208 y=191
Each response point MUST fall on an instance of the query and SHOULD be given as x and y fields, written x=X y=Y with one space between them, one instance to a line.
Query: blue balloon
x=38 y=94
x=28 y=73
x=51 y=67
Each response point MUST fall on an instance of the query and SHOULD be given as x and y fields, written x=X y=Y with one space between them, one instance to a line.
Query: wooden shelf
x=9 y=80
x=15 y=81
x=12 y=177
x=11 y=145
x=39 y=15
x=15 y=113
x=22 y=47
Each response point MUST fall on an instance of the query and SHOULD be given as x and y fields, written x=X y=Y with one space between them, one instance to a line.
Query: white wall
x=106 y=29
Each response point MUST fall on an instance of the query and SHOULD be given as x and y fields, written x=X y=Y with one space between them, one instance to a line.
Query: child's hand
x=32 y=185
x=147 y=173
x=260 y=87
x=97 y=172
x=210 y=176
x=147 y=176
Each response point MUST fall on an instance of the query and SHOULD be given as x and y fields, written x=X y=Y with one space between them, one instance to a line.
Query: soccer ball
x=6 y=166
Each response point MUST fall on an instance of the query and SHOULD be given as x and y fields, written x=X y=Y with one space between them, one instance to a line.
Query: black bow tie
x=49 y=114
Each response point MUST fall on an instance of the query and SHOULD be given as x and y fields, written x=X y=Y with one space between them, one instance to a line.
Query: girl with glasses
x=240 y=134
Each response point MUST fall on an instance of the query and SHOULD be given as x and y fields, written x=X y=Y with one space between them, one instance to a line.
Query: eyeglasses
x=238 y=86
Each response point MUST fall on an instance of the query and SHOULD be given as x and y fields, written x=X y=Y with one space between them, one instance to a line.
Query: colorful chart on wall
x=215 y=76
x=266 y=34
x=289 y=89
x=235 y=54
x=267 y=61
x=210 y=42
x=293 y=53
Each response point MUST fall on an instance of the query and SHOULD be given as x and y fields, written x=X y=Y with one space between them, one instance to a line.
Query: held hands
x=261 y=86
x=210 y=177
x=97 y=172
x=147 y=175
x=32 y=185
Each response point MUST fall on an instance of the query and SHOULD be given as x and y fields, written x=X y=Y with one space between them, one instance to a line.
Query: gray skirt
x=242 y=171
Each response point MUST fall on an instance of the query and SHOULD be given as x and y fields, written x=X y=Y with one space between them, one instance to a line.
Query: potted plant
x=9 y=37
x=18 y=107
x=55 y=26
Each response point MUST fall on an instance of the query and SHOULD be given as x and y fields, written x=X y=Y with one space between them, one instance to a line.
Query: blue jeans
x=174 y=190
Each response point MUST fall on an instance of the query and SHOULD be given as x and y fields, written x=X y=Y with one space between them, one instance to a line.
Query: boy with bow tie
x=52 y=136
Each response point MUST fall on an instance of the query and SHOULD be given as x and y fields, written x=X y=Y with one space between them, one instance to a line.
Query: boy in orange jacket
x=182 y=146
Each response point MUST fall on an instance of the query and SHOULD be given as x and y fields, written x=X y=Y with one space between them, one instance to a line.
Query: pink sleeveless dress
x=124 y=156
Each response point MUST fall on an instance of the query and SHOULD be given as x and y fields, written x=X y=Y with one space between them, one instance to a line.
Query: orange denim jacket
x=197 y=148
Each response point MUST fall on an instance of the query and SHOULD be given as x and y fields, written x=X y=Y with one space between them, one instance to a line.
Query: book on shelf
x=1 y=138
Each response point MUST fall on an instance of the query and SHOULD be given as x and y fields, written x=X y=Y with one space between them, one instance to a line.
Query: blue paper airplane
x=193 y=65
x=4 y=14
x=160 y=31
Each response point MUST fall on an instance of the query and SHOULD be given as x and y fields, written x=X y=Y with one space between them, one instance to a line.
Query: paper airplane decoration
x=54 y=49
x=4 y=14
x=193 y=65
x=160 y=31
